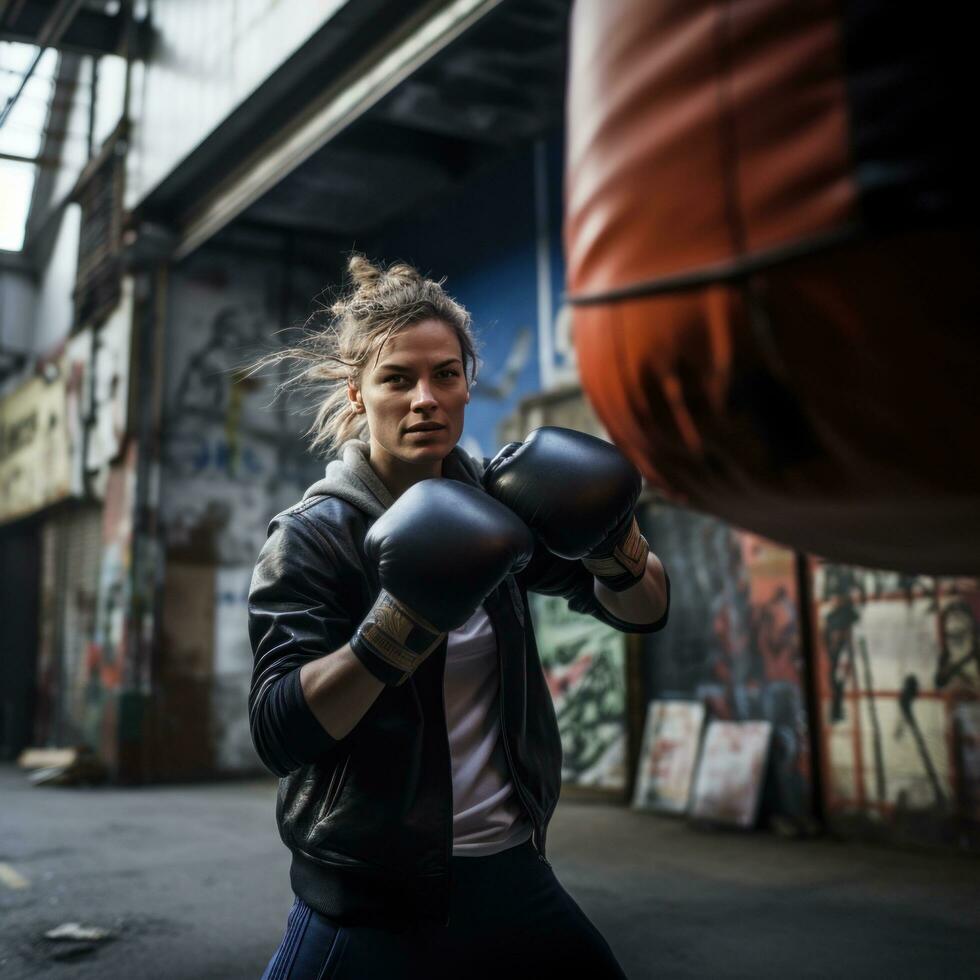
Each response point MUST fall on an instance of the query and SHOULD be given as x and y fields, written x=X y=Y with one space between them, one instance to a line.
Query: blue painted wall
x=484 y=240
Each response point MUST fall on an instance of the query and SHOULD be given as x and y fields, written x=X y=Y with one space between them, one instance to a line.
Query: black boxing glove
x=441 y=549
x=578 y=494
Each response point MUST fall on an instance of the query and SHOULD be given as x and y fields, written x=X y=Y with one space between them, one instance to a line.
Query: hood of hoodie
x=352 y=478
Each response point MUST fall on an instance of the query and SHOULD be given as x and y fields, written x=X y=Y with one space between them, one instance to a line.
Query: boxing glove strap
x=393 y=640
x=626 y=565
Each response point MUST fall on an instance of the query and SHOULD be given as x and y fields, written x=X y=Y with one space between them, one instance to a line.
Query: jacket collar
x=352 y=478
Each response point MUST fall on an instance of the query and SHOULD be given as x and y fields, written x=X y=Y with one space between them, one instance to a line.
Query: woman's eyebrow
x=387 y=366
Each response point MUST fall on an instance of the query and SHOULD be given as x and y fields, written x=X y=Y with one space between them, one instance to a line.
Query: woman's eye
x=450 y=373
x=394 y=378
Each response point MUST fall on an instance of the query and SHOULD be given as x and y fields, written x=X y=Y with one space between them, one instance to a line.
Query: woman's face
x=415 y=395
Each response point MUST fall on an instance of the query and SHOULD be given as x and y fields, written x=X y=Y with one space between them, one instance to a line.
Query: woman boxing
x=396 y=689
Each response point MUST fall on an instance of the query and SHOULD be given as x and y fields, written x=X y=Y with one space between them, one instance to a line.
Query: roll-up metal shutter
x=71 y=551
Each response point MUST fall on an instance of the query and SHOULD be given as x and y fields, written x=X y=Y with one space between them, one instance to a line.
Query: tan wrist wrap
x=627 y=563
x=393 y=640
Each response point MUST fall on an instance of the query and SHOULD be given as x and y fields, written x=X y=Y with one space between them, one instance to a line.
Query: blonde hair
x=379 y=303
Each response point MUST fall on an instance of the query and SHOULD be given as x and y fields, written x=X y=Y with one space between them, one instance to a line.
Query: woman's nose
x=422 y=397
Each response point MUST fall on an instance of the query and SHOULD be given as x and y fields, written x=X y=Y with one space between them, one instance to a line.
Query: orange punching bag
x=771 y=236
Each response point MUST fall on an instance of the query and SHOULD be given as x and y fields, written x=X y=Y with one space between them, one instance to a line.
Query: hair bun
x=403 y=274
x=364 y=274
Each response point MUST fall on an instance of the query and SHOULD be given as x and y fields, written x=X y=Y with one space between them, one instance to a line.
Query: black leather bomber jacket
x=368 y=818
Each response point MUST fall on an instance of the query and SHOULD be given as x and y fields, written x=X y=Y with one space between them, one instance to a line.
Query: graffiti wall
x=584 y=664
x=63 y=443
x=232 y=457
x=734 y=640
x=899 y=689
x=84 y=624
x=107 y=668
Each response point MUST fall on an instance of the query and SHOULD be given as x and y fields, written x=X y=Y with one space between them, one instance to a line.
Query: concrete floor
x=193 y=881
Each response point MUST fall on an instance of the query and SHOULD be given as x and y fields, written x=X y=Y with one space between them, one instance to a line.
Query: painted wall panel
x=584 y=663
x=899 y=687
x=734 y=639
x=36 y=444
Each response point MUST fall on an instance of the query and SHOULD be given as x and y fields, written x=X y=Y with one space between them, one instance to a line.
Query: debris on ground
x=72 y=939
x=78 y=932
x=69 y=766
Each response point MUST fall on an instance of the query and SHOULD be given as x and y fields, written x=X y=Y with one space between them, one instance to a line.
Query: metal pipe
x=94 y=90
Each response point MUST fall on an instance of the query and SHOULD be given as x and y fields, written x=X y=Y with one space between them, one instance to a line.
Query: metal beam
x=39 y=161
x=90 y=31
x=50 y=34
x=340 y=105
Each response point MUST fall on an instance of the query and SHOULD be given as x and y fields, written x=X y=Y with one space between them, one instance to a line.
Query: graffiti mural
x=899 y=684
x=107 y=668
x=211 y=401
x=228 y=450
x=584 y=664
x=734 y=640
x=233 y=457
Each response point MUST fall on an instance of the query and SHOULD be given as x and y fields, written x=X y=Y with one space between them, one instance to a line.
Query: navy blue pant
x=510 y=918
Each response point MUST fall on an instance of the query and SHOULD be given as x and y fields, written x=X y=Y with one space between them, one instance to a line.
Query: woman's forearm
x=339 y=690
x=642 y=603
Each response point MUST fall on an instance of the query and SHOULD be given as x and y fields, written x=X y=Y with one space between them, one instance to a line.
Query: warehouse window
x=21 y=134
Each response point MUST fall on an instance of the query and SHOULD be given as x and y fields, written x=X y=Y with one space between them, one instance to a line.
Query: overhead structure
x=93 y=28
x=49 y=34
x=382 y=110
x=771 y=230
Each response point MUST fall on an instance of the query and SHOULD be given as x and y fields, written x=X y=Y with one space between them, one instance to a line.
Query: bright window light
x=16 y=185
x=22 y=133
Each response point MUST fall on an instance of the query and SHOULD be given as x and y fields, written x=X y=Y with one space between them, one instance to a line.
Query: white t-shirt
x=487 y=813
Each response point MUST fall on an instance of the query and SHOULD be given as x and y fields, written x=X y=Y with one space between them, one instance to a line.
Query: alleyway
x=193 y=881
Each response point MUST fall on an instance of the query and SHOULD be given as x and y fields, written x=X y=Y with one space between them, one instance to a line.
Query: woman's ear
x=354 y=397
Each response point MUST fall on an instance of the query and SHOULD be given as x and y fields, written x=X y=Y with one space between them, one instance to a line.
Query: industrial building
x=194 y=176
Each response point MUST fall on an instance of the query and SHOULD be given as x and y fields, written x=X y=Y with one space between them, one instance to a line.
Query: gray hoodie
x=353 y=479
